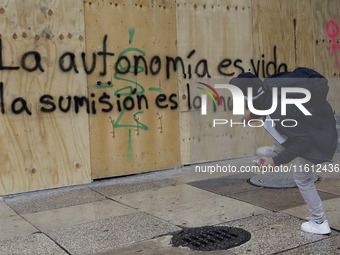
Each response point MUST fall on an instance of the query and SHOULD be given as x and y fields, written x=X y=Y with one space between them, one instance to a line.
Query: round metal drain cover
x=275 y=180
x=211 y=238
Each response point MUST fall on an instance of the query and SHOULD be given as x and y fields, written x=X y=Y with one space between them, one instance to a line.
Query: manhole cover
x=275 y=180
x=211 y=238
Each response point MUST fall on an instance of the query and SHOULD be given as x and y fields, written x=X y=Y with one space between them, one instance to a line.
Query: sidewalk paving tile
x=160 y=246
x=125 y=188
x=37 y=244
x=282 y=230
x=330 y=185
x=106 y=234
x=51 y=199
x=11 y=224
x=273 y=232
x=188 y=206
x=73 y=215
x=226 y=185
x=331 y=208
x=324 y=247
x=182 y=193
x=276 y=199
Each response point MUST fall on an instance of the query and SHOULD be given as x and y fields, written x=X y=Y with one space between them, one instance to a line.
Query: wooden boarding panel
x=45 y=149
x=326 y=19
x=304 y=34
x=132 y=104
x=218 y=31
x=224 y=141
x=133 y=139
x=273 y=26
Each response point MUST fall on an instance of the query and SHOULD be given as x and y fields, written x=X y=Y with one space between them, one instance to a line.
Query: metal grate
x=211 y=238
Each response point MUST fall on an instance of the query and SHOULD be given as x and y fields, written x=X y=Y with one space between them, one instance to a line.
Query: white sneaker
x=266 y=151
x=312 y=227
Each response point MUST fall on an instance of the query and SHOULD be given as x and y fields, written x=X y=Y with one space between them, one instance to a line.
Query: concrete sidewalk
x=137 y=215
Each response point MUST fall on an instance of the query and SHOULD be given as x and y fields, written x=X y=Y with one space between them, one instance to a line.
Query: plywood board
x=273 y=25
x=137 y=139
x=54 y=149
x=304 y=34
x=217 y=31
x=327 y=12
x=41 y=150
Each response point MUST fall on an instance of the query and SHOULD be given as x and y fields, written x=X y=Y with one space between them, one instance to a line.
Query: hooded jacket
x=315 y=137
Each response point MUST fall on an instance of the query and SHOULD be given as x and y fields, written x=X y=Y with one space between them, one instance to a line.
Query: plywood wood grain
x=121 y=144
x=218 y=31
x=304 y=34
x=216 y=40
x=42 y=150
x=325 y=59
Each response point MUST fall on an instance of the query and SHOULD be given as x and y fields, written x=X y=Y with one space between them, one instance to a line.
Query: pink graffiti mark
x=332 y=30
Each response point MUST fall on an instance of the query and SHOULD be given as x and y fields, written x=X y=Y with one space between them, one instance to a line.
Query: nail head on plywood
x=2 y=10
x=50 y=12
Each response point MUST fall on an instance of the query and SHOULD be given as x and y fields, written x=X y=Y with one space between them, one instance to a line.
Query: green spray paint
x=139 y=124
x=140 y=91
x=156 y=89
x=131 y=34
x=96 y=86
x=122 y=68
x=130 y=150
x=129 y=89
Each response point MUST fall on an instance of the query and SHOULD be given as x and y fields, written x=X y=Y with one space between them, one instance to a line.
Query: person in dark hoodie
x=313 y=140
